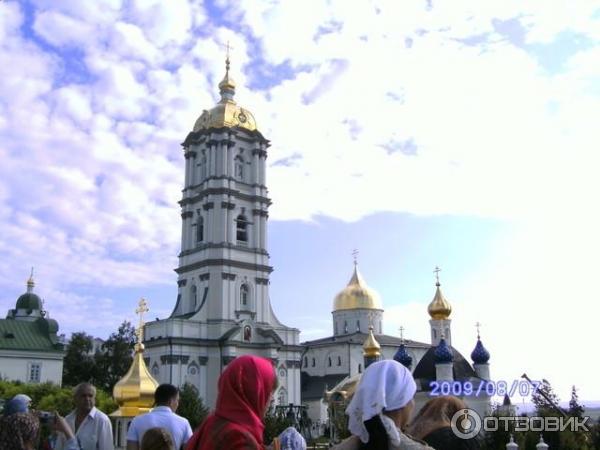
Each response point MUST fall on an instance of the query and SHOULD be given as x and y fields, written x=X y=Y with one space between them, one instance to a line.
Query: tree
x=539 y=398
x=116 y=356
x=575 y=409
x=191 y=405
x=79 y=365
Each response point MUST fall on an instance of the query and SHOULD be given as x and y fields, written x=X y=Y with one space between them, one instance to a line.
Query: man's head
x=84 y=395
x=167 y=395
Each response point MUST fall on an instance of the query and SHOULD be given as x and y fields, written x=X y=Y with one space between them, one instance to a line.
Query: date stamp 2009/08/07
x=483 y=387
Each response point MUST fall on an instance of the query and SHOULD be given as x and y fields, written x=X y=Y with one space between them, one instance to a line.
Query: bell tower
x=223 y=308
x=224 y=265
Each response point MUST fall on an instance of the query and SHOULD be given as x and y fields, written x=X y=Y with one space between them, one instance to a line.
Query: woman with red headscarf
x=245 y=389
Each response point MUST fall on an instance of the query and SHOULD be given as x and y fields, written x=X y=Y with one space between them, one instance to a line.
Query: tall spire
x=30 y=282
x=227 y=85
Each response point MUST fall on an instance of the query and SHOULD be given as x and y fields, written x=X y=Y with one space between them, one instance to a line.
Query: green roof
x=25 y=335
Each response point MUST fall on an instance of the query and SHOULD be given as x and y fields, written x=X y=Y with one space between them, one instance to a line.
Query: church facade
x=223 y=308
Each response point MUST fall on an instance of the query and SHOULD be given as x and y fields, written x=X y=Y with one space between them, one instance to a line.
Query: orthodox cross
x=355 y=256
x=437 y=275
x=140 y=310
x=401 y=334
x=477 y=325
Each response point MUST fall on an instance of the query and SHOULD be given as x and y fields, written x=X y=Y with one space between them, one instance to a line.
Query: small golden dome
x=371 y=348
x=134 y=392
x=357 y=295
x=439 y=308
x=226 y=113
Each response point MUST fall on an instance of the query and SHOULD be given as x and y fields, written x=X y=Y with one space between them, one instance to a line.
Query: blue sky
x=421 y=133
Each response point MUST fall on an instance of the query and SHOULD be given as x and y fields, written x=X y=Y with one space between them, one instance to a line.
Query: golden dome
x=371 y=348
x=439 y=308
x=134 y=392
x=226 y=113
x=357 y=295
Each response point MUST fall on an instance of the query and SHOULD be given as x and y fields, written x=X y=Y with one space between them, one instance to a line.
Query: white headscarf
x=290 y=439
x=384 y=385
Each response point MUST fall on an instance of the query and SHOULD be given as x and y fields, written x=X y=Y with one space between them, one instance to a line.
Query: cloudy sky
x=453 y=133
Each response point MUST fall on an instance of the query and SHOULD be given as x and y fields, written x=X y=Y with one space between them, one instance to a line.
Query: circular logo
x=242 y=117
x=465 y=423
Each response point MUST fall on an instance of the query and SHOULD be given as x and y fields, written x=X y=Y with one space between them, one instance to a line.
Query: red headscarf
x=245 y=389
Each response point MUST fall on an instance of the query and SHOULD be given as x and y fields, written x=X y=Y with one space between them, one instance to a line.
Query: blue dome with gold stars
x=403 y=357
x=443 y=353
x=480 y=355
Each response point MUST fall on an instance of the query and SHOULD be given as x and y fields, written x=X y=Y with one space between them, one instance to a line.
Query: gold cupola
x=357 y=295
x=439 y=308
x=134 y=393
x=371 y=348
x=226 y=113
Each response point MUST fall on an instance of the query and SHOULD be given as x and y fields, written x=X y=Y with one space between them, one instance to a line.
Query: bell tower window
x=242 y=230
x=194 y=295
x=203 y=168
x=199 y=229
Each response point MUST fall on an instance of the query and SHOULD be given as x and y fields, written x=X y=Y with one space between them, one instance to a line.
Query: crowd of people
x=380 y=417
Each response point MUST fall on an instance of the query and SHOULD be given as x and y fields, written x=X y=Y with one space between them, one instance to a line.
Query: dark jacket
x=445 y=439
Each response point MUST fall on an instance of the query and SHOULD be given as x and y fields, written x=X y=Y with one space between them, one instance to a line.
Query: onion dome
x=226 y=113
x=480 y=355
x=511 y=444
x=443 y=353
x=134 y=393
x=29 y=300
x=439 y=308
x=371 y=348
x=541 y=445
x=357 y=295
x=403 y=357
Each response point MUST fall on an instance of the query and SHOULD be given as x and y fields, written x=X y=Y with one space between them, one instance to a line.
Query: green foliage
x=50 y=397
x=542 y=406
x=78 y=365
x=191 y=405
x=274 y=425
x=116 y=358
x=575 y=409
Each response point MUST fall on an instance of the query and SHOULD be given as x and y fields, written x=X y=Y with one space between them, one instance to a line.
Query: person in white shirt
x=91 y=427
x=166 y=401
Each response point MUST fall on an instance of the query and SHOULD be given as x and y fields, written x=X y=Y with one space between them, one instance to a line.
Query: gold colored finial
x=135 y=391
x=30 y=282
x=371 y=347
x=439 y=308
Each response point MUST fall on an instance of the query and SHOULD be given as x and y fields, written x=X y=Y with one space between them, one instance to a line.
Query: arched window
x=434 y=334
x=339 y=360
x=358 y=325
x=329 y=361
x=243 y=296
x=239 y=168
x=194 y=295
x=200 y=229
x=282 y=397
x=306 y=361
x=345 y=327
x=247 y=333
x=242 y=229
x=313 y=362
x=335 y=328
x=380 y=328
x=359 y=368
x=155 y=370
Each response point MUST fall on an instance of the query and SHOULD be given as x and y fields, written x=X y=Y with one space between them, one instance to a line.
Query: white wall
x=15 y=365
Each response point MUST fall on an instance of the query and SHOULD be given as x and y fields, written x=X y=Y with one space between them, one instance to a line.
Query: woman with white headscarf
x=381 y=408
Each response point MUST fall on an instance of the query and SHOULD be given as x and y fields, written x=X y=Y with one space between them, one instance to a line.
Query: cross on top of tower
x=227 y=50
x=140 y=310
x=477 y=325
x=437 y=271
x=355 y=256
x=401 y=333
